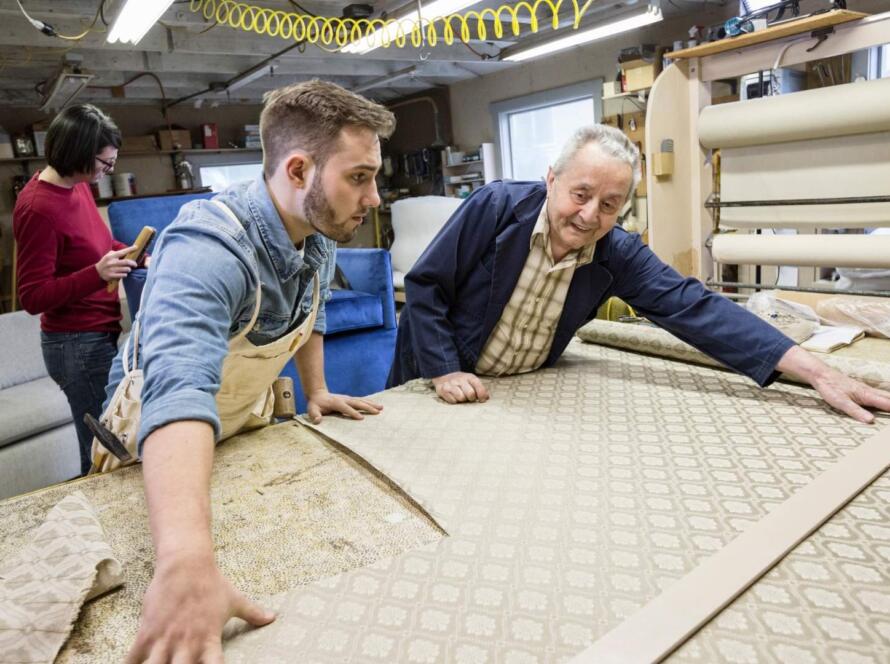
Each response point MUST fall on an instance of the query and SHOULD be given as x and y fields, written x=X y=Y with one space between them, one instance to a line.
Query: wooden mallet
x=139 y=247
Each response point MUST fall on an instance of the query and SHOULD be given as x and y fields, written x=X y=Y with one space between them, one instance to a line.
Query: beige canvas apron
x=245 y=399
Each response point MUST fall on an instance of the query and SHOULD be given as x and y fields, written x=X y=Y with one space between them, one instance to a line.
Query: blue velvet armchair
x=361 y=322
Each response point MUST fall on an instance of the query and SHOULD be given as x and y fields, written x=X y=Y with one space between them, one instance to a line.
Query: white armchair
x=415 y=222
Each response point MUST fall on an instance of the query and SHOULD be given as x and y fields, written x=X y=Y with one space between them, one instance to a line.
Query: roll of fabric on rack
x=828 y=143
x=817 y=250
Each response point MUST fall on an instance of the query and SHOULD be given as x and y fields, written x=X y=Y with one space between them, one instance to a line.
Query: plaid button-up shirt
x=521 y=340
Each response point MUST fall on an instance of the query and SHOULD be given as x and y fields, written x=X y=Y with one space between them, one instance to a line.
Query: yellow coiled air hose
x=333 y=31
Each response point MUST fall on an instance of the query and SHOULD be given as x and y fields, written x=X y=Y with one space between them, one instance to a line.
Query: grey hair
x=610 y=140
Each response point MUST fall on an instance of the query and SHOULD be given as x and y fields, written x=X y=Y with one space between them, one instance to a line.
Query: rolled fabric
x=839 y=110
x=808 y=217
x=652 y=340
x=825 y=168
x=803 y=250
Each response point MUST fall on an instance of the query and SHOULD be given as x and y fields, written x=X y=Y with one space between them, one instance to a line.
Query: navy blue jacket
x=460 y=285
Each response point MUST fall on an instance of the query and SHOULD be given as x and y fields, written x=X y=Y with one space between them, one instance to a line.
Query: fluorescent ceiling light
x=751 y=6
x=248 y=77
x=387 y=79
x=135 y=18
x=429 y=12
x=651 y=15
x=66 y=86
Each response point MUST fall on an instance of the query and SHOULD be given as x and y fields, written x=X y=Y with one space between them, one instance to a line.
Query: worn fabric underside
x=288 y=509
x=575 y=496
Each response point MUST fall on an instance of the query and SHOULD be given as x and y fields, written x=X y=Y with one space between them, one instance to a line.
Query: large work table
x=573 y=499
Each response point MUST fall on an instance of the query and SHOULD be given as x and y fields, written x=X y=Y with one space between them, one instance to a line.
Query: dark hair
x=76 y=136
x=309 y=116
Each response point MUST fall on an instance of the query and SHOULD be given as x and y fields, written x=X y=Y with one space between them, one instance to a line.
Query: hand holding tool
x=139 y=246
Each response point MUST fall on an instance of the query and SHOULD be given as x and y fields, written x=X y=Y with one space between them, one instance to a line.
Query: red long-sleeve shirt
x=60 y=237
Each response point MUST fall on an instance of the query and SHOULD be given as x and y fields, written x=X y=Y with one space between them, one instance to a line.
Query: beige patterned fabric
x=42 y=588
x=572 y=498
x=652 y=340
x=691 y=602
x=828 y=601
x=521 y=339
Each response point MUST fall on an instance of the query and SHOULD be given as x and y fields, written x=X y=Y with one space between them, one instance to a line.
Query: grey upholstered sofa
x=38 y=445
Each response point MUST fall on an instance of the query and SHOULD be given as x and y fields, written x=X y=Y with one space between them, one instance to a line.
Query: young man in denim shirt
x=321 y=152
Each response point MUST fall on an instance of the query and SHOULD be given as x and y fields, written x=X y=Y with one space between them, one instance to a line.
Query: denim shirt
x=201 y=291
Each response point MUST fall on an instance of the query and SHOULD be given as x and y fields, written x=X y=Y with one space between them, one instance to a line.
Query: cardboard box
x=139 y=143
x=642 y=189
x=640 y=74
x=40 y=142
x=634 y=126
x=210 y=136
x=177 y=139
x=38 y=129
x=611 y=89
x=725 y=99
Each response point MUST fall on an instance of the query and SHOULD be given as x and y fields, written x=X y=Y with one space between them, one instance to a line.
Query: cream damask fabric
x=828 y=601
x=68 y=562
x=571 y=498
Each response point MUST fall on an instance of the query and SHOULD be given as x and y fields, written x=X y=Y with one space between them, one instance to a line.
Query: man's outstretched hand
x=840 y=391
x=184 y=610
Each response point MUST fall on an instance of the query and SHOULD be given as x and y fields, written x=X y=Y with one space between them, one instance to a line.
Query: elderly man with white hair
x=520 y=266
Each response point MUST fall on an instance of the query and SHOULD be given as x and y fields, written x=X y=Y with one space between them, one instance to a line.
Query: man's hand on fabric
x=185 y=608
x=459 y=387
x=322 y=402
x=849 y=395
x=841 y=392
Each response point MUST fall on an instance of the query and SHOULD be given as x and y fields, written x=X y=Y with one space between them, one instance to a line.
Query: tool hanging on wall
x=418 y=166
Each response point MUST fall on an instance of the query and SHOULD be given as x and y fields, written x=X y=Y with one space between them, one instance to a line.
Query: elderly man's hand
x=459 y=386
x=849 y=395
x=840 y=391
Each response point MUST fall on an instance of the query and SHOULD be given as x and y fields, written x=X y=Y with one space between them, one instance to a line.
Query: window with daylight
x=532 y=129
x=220 y=177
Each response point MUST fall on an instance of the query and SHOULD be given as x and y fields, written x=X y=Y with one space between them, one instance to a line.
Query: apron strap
x=313 y=312
x=259 y=286
x=316 y=289
x=134 y=337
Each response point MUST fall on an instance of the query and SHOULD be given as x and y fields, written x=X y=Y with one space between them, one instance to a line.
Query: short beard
x=320 y=214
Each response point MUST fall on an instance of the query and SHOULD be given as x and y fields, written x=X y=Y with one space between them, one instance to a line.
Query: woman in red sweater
x=66 y=256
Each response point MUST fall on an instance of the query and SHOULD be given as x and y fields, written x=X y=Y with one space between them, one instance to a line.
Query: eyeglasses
x=108 y=165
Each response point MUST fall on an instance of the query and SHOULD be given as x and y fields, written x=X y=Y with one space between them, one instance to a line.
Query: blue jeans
x=79 y=362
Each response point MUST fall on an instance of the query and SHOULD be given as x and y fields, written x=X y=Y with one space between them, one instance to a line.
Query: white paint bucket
x=124 y=184
x=104 y=187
